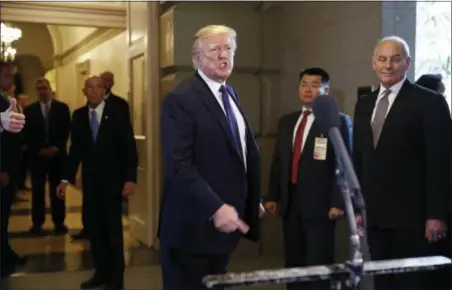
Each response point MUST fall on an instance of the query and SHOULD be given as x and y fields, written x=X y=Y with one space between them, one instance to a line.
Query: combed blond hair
x=208 y=31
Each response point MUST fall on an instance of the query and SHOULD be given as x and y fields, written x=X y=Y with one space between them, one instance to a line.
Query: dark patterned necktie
x=231 y=119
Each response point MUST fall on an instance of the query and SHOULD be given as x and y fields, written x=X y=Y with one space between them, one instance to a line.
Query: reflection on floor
x=60 y=253
x=58 y=262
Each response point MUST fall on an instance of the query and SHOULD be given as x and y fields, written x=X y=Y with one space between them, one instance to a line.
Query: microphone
x=327 y=116
x=326 y=112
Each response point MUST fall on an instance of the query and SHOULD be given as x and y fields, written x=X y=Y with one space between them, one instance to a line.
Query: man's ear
x=327 y=90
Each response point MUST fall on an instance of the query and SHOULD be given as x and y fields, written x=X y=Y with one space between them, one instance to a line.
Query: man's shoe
x=93 y=282
x=80 y=236
x=37 y=231
x=21 y=261
x=60 y=230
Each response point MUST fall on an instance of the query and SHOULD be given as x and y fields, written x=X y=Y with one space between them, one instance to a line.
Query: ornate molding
x=86 y=45
x=64 y=13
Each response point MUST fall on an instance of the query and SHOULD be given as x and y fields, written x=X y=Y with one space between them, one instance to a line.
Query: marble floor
x=58 y=262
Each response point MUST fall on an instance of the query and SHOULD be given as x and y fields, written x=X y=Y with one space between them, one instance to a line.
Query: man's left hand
x=435 y=230
x=261 y=210
x=128 y=189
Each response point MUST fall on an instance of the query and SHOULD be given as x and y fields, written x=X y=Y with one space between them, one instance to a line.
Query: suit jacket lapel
x=396 y=109
x=308 y=147
x=87 y=133
x=217 y=112
x=103 y=121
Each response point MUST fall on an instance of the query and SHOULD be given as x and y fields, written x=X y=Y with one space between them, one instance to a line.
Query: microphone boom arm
x=351 y=194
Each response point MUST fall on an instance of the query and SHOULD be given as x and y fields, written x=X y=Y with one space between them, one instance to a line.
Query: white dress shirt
x=215 y=88
x=309 y=123
x=42 y=105
x=99 y=111
x=395 y=89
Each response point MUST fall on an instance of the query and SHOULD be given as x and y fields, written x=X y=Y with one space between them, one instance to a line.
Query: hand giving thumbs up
x=11 y=120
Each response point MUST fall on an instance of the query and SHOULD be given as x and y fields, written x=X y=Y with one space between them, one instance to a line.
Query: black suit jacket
x=203 y=170
x=109 y=161
x=406 y=179
x=120 y=103
x=318 y=188
x=9 y=149
x=59 y=128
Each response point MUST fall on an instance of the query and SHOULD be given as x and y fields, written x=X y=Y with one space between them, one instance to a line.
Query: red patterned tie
x=296 y=153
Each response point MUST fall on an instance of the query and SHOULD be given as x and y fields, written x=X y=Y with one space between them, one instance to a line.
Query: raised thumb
x=13 y=105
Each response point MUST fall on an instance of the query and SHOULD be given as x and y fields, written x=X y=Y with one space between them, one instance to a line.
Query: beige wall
x=109 y=55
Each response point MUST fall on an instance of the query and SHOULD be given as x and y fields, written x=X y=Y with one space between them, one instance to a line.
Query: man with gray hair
x=212 y=190
x=401 y=153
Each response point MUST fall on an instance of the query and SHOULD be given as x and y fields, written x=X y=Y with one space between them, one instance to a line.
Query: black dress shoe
x=93 y=282
x=21 y=260
x=60 y=230
x=37 y=231
x=112 y=286
x=80 y=236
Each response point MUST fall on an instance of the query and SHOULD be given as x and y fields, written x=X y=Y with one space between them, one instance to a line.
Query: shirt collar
x=43 y=104
x=394 y=89
x=99 y=107
x=214 y=86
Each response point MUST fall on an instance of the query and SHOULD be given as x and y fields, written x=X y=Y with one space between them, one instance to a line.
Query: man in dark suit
x=46 y=135
x=11 y=123
x=102 y=139
x=401 y=151
x=302 y=187
x=211 y=192
x=108 y=81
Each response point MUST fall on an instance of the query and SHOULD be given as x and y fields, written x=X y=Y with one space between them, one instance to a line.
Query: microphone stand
x=356 y=262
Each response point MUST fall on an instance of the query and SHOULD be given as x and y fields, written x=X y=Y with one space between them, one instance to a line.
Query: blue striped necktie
x=94 y=124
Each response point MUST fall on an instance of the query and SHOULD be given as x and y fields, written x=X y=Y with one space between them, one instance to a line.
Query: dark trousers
x=23 y=170
x=103 y=210
x=184 y=271
x=308 y=243
x=41 y=171
x=8 y=256
x=397 y=244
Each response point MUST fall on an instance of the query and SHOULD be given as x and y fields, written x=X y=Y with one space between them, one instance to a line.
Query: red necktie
x=297 y=146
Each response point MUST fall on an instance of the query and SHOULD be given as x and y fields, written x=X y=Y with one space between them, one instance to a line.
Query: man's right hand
x=226 y=219
x=61 y=190
x=4 y=178
x=271 y=207
x=11 y=120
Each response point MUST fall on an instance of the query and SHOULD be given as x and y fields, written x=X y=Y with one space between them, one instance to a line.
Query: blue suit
x=203 y=170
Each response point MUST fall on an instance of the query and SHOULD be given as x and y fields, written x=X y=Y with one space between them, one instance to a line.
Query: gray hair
x=209 y=31
x=398 y=40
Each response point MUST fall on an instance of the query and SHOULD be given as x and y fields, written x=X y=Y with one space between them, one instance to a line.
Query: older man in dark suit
x=401 y=151
x=211 y=192
x=102 y=140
